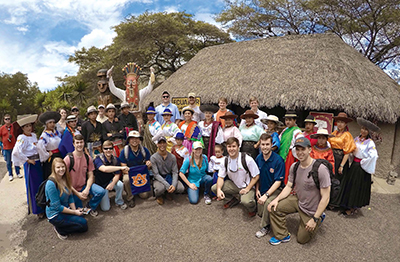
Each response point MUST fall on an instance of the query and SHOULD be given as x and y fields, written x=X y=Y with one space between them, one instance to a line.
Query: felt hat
x=27 y=120
x=320 y=132
x=229 y=114
x=310 y=119
x=209 y=108
x=151 y=110
x=343 y=117
x=48 y=116
x=124 y=104
x=271 y=118
x=197 y=144
x=290 y=114
x=187 y=108
x=71 y=118
x=110 y=106
x=303 y=142
x=101 y=106
x=368 y=124
x=179 y=135
x=91 y=109
x=249 y=113
x=167 y=111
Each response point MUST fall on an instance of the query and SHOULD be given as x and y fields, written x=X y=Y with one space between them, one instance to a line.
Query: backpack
x=72 y=162
x=126 y=152
x=40 y=196
x=103 y=159
x=243 y=160
x=335 y=183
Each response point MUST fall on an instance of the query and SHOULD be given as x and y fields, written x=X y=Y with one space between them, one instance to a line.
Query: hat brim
x=208 y=108
x=344 y=119
x=43 y=118
x=229 y=116
x=315 y=136
x=290 y=116
x=368 y=124
x=27 y=120
x=166 y=114
x=91 y=111
x=310 y=121
x=254 y=116
x=265 y=121
x=151 y=112
x=187 y=109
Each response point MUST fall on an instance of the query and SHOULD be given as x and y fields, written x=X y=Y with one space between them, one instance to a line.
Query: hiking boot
x=62 y=237
x=231 y=203
x=20 y=176
x=131 y=203
x=10 y=178
x=123 y=206
x=169 y=197
x=160 y=200
x=263 y=231
x=273 y=241
x=207 y=199
x=94 y=213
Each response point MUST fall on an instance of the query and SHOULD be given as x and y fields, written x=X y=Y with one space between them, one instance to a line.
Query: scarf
x=286 y=140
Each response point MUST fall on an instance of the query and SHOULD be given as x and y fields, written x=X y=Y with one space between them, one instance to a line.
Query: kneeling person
x=272 y=174
x=242 y=178
x=309 y=201
x=107 y=174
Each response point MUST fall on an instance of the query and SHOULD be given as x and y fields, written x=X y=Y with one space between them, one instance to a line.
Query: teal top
x=195 y=173
x=251 y=133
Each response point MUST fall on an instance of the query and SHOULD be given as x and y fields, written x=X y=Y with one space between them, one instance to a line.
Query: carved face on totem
x=131 y=81
x=102 y=85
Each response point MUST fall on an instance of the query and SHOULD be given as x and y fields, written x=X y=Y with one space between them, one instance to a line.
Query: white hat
x=110 y=106
x=27 y=120
x=125 y=104
x=91 y=109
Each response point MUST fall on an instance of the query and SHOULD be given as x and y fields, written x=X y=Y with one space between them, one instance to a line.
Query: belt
x=338 y=151
x=55 y=151
x=356 y=159
x=34 y=157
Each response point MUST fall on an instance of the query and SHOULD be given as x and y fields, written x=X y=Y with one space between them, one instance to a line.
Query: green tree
x=80 y=88
x=372 y=27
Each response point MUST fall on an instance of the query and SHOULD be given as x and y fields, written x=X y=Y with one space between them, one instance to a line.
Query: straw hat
x=290 y=114
x=249 y=113
x=124 y=104
x=271 y=118
x=321 y=131
x=110 y=106
x=27 y=120
x=133 y=133
x=187 y=108
x=91 y=109
x=70 y=118
x=310 y=119
x=368 y=124
x=50 y=115
x=229 y=114
x=343 y=117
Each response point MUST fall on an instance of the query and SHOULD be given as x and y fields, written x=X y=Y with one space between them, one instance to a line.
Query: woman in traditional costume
x=309 y=124
x=169 y=129
x=49 y=141
x=189 y=128
x=112 y=130
x=342 y=144
x=25 y=153
x=251 y=134
x=179 y=150
x=62 y=124
x=230 y=130
x=211 y=131
x=150 y=130
x=355 y=191
x=272 y=122
x=322 y=150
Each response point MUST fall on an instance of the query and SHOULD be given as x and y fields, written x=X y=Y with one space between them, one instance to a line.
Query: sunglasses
x=165 y=96
x=75 y=110
x=7 y=118
x=108 y=148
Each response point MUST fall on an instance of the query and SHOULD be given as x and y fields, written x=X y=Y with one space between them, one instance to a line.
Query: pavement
x=178 y=231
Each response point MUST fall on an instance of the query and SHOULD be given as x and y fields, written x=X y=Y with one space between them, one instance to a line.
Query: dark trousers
x=68 y=224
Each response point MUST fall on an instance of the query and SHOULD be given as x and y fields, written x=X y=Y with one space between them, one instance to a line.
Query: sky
x=37 y=37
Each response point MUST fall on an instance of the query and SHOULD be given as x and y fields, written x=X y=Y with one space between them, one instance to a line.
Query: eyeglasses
x=108 y=148
x=165 y=96
x=7 y=118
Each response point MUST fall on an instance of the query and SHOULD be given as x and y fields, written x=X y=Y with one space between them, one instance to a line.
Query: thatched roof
x=310 y=72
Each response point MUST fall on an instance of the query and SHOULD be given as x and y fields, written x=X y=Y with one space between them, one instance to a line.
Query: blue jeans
x=7 y=158
x=67 y=224
x=206 y=182
x=97 y=193
x=105 y=201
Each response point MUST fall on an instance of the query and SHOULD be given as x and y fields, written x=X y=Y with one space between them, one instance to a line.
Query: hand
x=110 y=186
x=244 y=191
x=109 y=72
x=125 y=169
x=85 y=192
x=79 y=128
x=109 y=134
x=30 y=161
x=78 y=212
x=258 y=194
x=262 y=200
x=81 y=196
x=50 y=153
x=255 y=145
x=310 y=226
x=193 y=186
x=220 y=194
x=274 y=204
x=148 y=164
x=171 y=189
x=340 y=170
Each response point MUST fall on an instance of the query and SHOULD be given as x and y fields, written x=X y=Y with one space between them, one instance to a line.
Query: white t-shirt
x=241 y=178
x=215 y=163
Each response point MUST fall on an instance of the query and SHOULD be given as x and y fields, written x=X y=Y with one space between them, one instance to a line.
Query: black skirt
x=46 y=165
x=248 y=147
x=338 y=156
x=206 y=141
x=355 y=190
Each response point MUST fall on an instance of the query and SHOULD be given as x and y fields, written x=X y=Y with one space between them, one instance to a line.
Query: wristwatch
x=315 y=219
x=267 y=194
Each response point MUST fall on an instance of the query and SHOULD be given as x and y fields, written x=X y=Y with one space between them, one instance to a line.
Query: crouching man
x=243 y=174
x=107 y=174
x=309 y=201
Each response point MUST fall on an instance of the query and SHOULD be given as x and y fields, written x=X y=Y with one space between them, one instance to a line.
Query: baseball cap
x=303 y=142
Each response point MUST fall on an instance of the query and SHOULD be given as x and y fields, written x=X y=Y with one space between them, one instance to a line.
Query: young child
x=179 y=150
x=216 y=162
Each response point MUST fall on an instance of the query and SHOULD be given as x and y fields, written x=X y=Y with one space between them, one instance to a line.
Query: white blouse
x=24 y=148
x=368 y=154
x=48 y=141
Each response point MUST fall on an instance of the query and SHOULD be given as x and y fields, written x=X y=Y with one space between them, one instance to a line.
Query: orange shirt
x=342 y=141
x=323 y=153
x=218 y=117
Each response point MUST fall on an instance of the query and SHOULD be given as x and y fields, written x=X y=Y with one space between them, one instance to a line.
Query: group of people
x=252 y=162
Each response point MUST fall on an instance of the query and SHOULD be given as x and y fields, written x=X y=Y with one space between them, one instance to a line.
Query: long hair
x=66 y=177
x=192 y=160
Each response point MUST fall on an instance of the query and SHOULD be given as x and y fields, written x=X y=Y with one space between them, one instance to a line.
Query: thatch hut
x=307 y=72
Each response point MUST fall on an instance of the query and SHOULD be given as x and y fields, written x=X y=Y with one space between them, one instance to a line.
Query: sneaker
x=323 y=217
x=20 y=176
x=131 y=203
x=207 y=199
x=160 y=200
x=10 y=178
x=263 y=231
x=59 y=235
x=94 y=213
x=123 y=206
x=273 y=241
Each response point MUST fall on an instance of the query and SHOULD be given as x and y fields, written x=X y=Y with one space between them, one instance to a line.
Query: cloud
x=98 y=38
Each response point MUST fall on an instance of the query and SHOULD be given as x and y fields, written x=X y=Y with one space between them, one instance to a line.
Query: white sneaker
x=123 y=206
x=59 y=235
x=263 y=232
x=93 y=213
x=10 y=178
x=20 y=176
x=207 y=199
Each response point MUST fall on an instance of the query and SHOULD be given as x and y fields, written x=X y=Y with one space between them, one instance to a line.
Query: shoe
x=123 y=206
x=20 y=176
x=323 y=217
x=263 y=231
x=252 y=213
x=160 y=200
x=231 y=203
x=207 y=199
x=273 y=241
x=169 y=197
x=10 y=178
x=41 y=216
x=59 y=235
x=131 y=203
x=94 y=213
